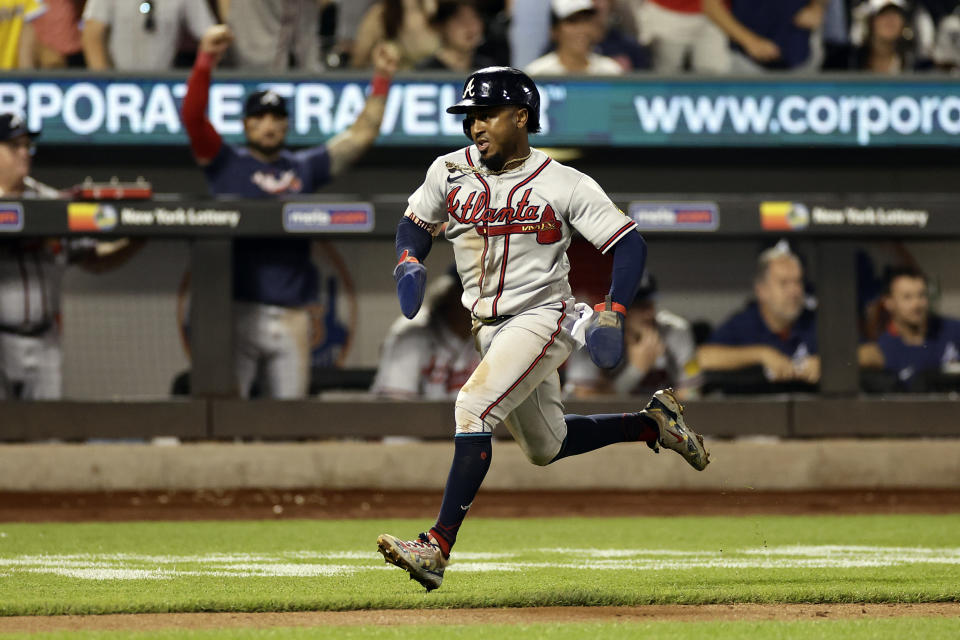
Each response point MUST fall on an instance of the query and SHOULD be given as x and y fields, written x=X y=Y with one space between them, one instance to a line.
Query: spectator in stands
x=433 y=355
x=776 y=331
x=405 y=23
x=680 y=36
x=770 y=36
x=916 y=342
x=887 y=44
x=273 y=35
x=58 y=36
x=274 y=279
x=139 y=36
x=461 y=31
x=349 y=15
x=659 y=352
x=946 y=51
x=575 y=32
x=17 y=36
x=618 y=36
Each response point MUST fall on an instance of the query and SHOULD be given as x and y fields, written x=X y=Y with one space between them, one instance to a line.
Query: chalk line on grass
x=310 y=564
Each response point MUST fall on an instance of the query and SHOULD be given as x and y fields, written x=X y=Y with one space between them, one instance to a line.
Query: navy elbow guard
x=411 y=278
x=604 y=337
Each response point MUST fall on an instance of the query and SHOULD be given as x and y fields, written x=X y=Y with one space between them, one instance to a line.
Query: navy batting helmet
x=496 y=86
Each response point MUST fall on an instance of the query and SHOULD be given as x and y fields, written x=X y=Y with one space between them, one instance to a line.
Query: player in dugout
x=510 y=211
x=274 y=280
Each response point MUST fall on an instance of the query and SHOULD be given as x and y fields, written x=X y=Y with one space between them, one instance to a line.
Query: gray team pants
x=275 y=340
x=517 y=382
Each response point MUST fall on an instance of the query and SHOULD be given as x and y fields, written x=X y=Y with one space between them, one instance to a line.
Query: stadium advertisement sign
x=83 y=109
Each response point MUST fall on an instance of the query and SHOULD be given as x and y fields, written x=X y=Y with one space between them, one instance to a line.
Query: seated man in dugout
x=920 y=350
x=771 y=345
x=659 y=351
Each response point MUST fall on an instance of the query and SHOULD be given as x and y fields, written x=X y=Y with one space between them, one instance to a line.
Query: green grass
x=275 y=566
x=900 y=628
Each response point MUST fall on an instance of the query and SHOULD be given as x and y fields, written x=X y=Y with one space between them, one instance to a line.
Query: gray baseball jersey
x=510 y=231
x=424 y=359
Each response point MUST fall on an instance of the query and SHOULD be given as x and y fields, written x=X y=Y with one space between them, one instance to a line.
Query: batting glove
x=411 y=277
x=605 y=336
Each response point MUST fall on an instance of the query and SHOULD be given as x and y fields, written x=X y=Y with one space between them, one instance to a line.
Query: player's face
x=780 y=293
x=266 y=132
x=464 y=30
x=908 y=302
x=15 y=159
x=497 y=132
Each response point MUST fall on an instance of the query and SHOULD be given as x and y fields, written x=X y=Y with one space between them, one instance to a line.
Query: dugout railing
x=834 y=224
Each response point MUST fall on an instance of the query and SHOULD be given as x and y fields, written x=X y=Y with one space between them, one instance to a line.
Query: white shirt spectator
x=597 y=65
x=143 y=36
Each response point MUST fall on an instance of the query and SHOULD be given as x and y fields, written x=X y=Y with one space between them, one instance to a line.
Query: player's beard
x=494 y=161
x=263 y=149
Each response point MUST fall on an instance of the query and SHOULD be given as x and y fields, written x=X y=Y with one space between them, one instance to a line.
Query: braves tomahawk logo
x=524 y=218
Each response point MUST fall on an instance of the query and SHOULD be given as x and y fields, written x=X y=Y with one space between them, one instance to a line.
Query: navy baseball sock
x=471 y=459
x=586 y=433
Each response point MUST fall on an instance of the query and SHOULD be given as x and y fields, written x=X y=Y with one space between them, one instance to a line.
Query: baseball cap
x=13 y=126
x=260 y=102
x=876 y=6
x=563 y=9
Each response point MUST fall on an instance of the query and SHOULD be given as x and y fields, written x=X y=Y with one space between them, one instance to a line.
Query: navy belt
x=27 y=330
x=493 y=320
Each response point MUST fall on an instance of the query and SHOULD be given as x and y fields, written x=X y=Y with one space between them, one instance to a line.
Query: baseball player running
x=509 y=212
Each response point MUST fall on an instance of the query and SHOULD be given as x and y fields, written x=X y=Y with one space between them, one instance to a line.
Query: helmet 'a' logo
x=270 y=98
x=468 y=90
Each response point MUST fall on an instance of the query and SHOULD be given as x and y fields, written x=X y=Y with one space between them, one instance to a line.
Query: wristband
x=615 y=306
x=406 y=257
x=380 y=85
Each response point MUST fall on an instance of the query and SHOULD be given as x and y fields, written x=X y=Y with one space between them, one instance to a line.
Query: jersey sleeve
x=403 y=358
x=429 y=201
x=99 y=10
x=593 y=214
x=315 y=163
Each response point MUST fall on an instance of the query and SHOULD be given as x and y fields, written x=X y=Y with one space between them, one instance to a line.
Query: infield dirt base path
x=267 y=504
x=534 y=615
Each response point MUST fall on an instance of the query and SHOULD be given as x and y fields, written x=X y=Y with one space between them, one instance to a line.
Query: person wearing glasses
x=140 y=36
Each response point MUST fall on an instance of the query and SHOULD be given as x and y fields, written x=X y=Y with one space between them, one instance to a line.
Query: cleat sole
x=392 y=557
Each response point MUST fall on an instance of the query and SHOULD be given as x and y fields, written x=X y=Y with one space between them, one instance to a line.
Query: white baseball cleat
x=667 y=411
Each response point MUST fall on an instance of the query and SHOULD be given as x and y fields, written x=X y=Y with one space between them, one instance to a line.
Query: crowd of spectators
x=541 y=36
